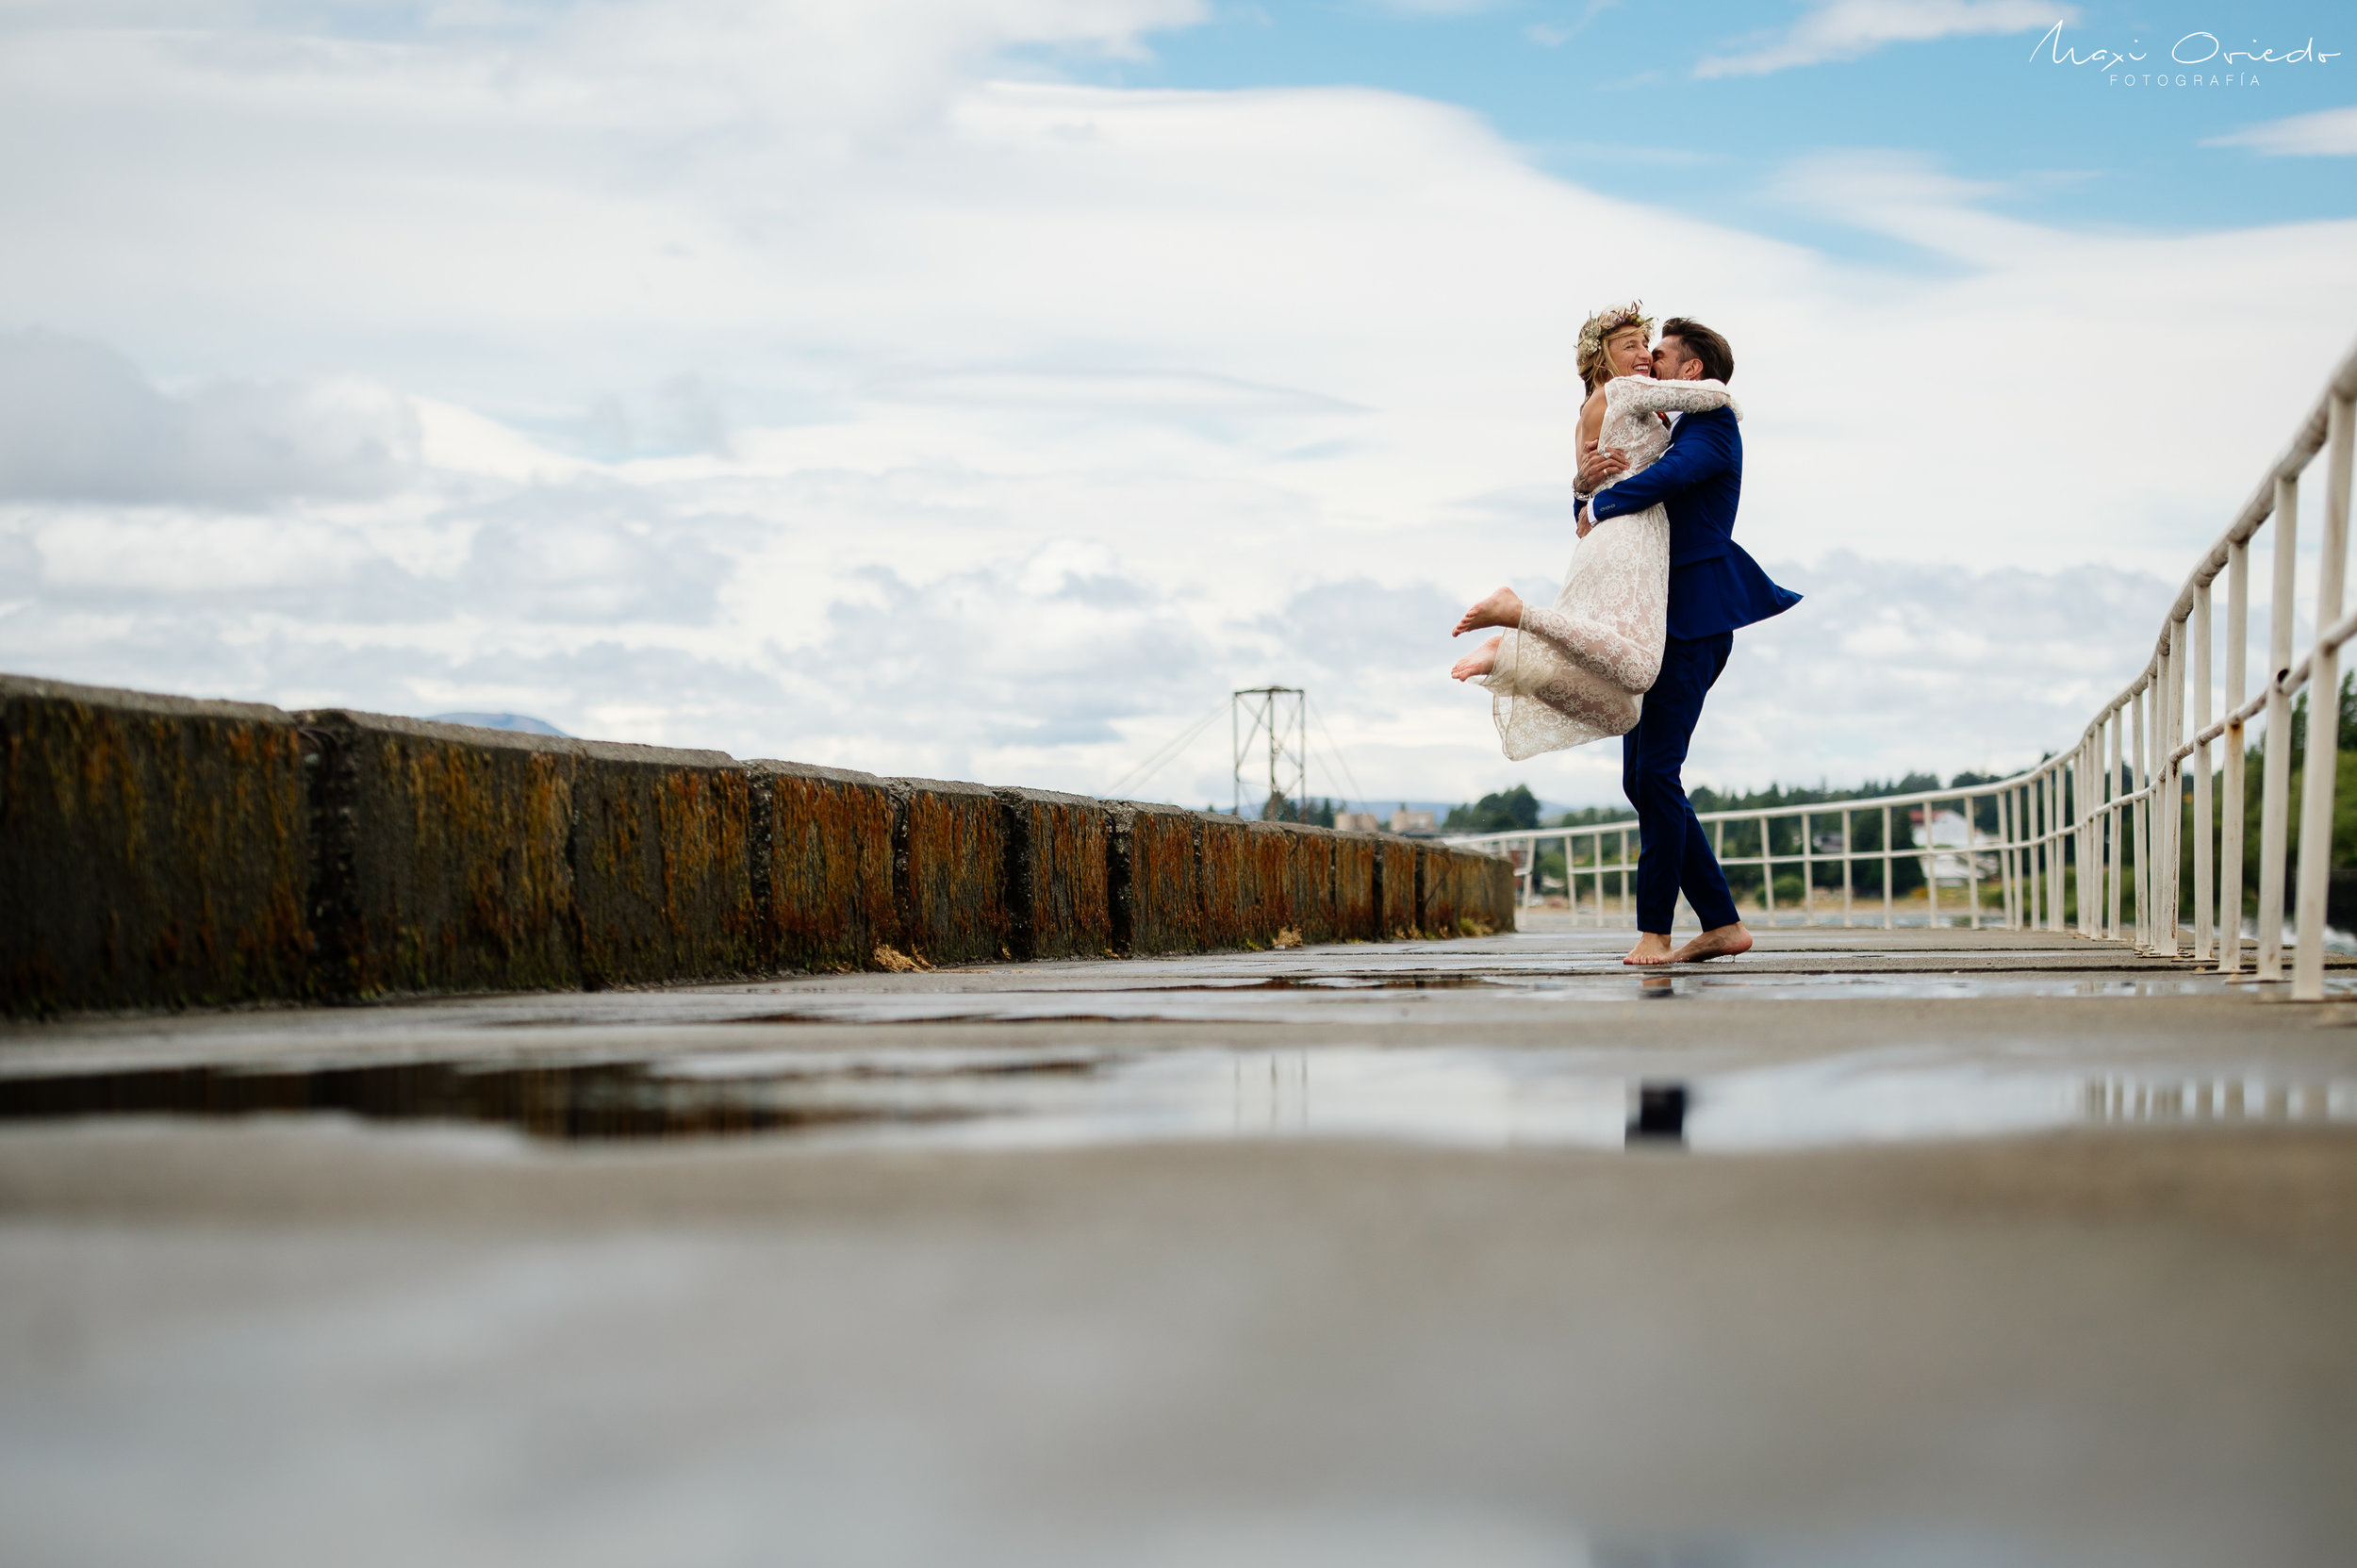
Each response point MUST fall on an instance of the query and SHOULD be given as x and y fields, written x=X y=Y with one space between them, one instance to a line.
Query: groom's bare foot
x=1718 y=942
x=1502 y=608
x=1479 y=661
x=1650 y=949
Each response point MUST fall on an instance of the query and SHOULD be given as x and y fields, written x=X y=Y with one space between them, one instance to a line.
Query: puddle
x=1013 y=1097
x=1282 y=999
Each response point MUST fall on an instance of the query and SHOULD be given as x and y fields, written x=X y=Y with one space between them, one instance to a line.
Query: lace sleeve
x=1645 y=395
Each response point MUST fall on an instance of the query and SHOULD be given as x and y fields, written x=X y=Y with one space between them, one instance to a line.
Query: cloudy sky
x=985 y=387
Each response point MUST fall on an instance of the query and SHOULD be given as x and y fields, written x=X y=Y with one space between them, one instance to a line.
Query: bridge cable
x=1164 y=754
x=1334 y=749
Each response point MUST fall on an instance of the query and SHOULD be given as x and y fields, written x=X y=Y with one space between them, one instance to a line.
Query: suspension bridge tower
x=1271 y=723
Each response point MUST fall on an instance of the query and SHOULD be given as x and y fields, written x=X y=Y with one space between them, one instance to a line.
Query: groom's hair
x=1703 y=344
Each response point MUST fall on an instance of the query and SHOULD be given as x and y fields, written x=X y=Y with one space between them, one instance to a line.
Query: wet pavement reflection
x=1283 y=998
x=971 y=1095
x=1425 y=1253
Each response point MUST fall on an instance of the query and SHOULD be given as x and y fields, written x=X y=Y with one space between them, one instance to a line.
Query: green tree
x=1502 y=812
x=2344 y=850
x=1316 y=811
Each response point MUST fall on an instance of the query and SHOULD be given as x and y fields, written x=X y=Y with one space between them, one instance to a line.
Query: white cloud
x=995 y=428
x=1880 y=654
x=78 y=421
x=1435 y=7
x=1553 y=35
x=1834 y=30
x=2326 y=133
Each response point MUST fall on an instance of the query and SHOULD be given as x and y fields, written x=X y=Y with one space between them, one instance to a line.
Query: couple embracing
x=1649 y=609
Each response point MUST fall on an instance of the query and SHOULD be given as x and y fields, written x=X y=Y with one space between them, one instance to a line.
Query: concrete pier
x=160 y=852
x=1872 y=1248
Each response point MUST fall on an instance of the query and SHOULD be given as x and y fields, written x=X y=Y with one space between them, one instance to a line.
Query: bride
x=1578 y=673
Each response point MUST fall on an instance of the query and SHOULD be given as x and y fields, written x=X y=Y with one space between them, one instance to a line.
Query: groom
x=1714 y=589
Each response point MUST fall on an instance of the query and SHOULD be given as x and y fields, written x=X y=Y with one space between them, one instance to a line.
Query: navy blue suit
x=1715 y=586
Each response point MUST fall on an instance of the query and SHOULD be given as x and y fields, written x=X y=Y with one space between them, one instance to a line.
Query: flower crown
x=1603 y=323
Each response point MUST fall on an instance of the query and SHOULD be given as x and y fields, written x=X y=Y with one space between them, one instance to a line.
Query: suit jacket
x=1714 y=585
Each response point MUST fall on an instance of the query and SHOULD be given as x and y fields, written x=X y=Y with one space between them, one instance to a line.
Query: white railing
x=2085 y=820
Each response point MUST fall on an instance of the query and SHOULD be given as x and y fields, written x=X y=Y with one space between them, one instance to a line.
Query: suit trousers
x=1675 y=852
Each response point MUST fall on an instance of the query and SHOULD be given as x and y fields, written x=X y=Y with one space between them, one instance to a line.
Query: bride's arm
x=1648 y=396
x=1710 y=448
x=1590 y=430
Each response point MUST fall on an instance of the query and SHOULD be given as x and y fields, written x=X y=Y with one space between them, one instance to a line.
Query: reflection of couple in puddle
x=1660 y=1115
x=1649 y=607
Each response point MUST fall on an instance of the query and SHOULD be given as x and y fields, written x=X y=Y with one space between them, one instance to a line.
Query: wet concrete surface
x=1872 y=1247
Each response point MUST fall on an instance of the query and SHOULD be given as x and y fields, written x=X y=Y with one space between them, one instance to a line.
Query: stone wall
x=156 y=851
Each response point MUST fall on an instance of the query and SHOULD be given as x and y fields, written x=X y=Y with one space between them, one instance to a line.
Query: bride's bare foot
x=1479 y=661
x=1718 y=942
x=1502 y=608
x=1650 y=949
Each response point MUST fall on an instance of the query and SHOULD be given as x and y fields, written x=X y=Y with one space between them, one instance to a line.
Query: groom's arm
x=1596 y=465
x=1707 y=451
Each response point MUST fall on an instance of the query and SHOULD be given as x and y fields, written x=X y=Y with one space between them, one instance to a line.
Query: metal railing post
x=2165 y=933
x=2091 y=817
x=2136 y=782
x=2231 y=809
x=2203 y=895
x=2163 y=936
x=2324 y=714
x=2086 y=894
x=2032 y=884
x=1849 y=851
x=1809 y=874
x=1931 y=868
x=2180 y=663
x=2049 y=885
x=2063 y=842
x=2275 y=781
x=1887 y=864
x=2006 y=858
x=2158 y=719
x=2170 y=802
x=2068 y=819
x=1628 y=883
x=1972 y=860
x=2055 y=890
x=2115 y=823
x=1595 y=861
x=1767 y=874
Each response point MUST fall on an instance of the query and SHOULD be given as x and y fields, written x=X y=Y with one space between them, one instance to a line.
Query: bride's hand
x=1598 y=464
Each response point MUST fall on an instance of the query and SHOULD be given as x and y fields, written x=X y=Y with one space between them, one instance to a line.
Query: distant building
x=1404 y=820
x=1964 y=856
x=1357 y=821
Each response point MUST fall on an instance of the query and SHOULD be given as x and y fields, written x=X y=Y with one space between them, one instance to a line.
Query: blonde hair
x=1595 y=365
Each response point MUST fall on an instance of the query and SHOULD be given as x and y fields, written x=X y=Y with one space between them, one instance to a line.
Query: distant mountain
x=523 y=722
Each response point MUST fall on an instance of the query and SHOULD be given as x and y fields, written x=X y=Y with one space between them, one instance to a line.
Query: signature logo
x=2219 y=64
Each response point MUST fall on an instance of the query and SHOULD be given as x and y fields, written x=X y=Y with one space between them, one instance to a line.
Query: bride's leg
x=1592 y=645
x=1502 y=608
x=1479 y=661
x=1591 y=700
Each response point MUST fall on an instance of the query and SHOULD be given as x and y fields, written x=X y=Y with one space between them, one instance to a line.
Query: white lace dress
x=1579 y=672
